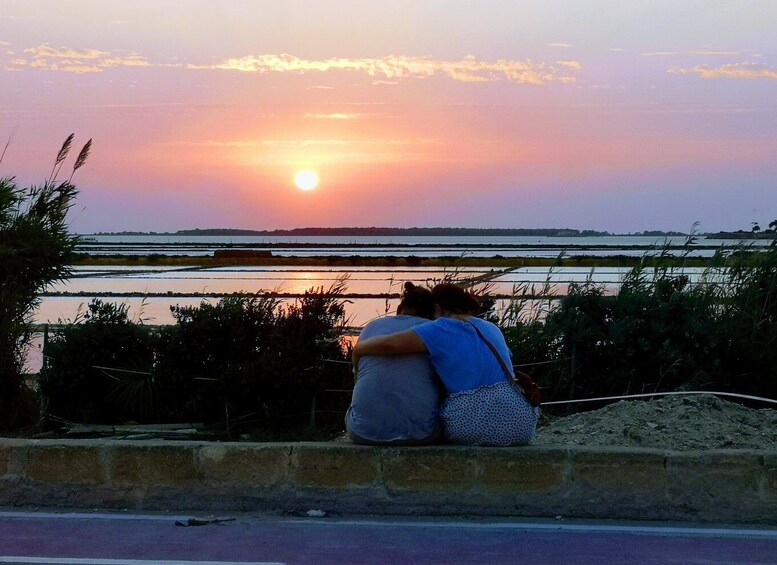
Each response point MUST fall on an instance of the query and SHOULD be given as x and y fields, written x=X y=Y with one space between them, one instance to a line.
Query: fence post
x=313 y=412
x=45 y=344
x=573 y=370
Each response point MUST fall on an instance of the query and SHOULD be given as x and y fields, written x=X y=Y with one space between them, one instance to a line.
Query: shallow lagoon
x=370 y=291
x=151 y=290
x=372 y=246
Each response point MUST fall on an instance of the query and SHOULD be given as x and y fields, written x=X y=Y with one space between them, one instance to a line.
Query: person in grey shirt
x=396 y=400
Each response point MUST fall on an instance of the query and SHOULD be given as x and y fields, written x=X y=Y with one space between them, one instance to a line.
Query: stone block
x=429 y=469
x=245 y=464
x=722 y=474
x=332 y=465
x=521 y=469
x=618 y=470
x=65 y=463
x=6 y=453
x=13 y=456
x=153 y=464
x=770 y=473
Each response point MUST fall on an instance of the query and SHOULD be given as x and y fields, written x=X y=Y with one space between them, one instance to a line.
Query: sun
x=306 y=180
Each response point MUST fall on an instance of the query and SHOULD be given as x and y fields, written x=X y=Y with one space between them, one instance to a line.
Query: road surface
x=99 y=538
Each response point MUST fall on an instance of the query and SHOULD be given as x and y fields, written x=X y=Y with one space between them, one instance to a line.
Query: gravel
x=673 y=422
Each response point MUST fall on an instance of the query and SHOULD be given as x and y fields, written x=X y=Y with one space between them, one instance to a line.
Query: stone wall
x=722 y=486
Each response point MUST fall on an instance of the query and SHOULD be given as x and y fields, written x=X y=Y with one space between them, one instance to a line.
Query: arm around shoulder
x=400 y=343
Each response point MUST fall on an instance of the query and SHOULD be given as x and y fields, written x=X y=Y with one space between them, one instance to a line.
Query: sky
x=616 y=115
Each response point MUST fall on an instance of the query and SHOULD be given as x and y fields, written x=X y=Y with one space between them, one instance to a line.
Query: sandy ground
x=674 y=422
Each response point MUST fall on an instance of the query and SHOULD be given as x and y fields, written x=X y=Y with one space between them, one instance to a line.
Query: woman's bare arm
x=400 y=343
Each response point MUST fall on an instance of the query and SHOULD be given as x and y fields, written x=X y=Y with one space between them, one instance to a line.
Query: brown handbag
x=529 y=388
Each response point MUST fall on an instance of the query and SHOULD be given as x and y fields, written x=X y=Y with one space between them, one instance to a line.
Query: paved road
x=124 y=539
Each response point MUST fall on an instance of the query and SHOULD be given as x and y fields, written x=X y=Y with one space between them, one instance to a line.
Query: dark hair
x=417 y=298
x=455 y=299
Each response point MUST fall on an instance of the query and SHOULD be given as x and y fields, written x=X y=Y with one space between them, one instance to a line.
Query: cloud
x=392 y=67
x=716 y=53
x=573 y=65
x=700 y=53
x=732 y=70
x=562 y=45
x=385 y=70
x=64 y=59
x=44 y=51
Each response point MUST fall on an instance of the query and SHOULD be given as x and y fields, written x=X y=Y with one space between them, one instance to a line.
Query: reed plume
x=7 y=143
x=82 y=157
x=61 y=156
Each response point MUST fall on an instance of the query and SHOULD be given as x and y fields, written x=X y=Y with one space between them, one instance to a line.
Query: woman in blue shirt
x=483 y=406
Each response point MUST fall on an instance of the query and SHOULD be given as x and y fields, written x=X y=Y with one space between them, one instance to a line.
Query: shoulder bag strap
x=530 y=389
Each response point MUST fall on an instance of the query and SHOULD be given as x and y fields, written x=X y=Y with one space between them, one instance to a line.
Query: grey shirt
x=395 y=397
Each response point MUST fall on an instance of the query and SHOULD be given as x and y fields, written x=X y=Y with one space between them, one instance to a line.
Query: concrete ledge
x=647 y=484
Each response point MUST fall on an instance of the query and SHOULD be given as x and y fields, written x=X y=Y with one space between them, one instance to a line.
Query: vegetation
x=98 y=369
x=250 y=365
x=254 y=365
x=35 y=250
x=659 y=333
x=246 y=365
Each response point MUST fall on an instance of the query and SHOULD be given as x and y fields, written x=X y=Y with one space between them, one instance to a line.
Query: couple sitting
x=400 y=360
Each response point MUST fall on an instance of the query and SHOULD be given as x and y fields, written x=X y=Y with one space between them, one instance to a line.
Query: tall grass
x=659 y=332
x=36 y=249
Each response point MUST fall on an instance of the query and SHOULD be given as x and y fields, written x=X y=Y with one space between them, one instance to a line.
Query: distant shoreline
x=409 y=232
x=767 y=234
x=386 y=261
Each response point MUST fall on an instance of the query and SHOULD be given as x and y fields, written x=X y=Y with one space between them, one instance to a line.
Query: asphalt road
x=133 y=539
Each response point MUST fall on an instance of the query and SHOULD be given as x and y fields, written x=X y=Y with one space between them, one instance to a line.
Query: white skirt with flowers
x=495 y=415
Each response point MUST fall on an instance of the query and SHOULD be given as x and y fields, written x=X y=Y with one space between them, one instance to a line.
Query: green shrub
x=99 y=370
x=747 y=294
x=35 y=251
x=247 y=363
x=658 y=333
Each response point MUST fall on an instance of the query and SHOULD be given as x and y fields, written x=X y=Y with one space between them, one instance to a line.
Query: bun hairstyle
x=418 y=300
x=454 y=299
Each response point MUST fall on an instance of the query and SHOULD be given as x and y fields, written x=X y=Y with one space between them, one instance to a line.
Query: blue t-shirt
x=395 y=397
x=461 y=357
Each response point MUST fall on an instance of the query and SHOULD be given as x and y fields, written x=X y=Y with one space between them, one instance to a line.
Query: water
x=370 y=246
x=149 y=291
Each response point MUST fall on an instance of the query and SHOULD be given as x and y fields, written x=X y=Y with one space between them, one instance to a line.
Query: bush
x=654 y=335
x=658 y=333
x=246 y=363
x=99 y=370
x=747 y=294
x=35 y=250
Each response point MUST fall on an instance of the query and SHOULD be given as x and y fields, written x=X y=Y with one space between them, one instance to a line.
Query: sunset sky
x=618 y=115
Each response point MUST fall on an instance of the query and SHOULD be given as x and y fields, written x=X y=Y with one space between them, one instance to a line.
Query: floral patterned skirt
x=496 y=415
